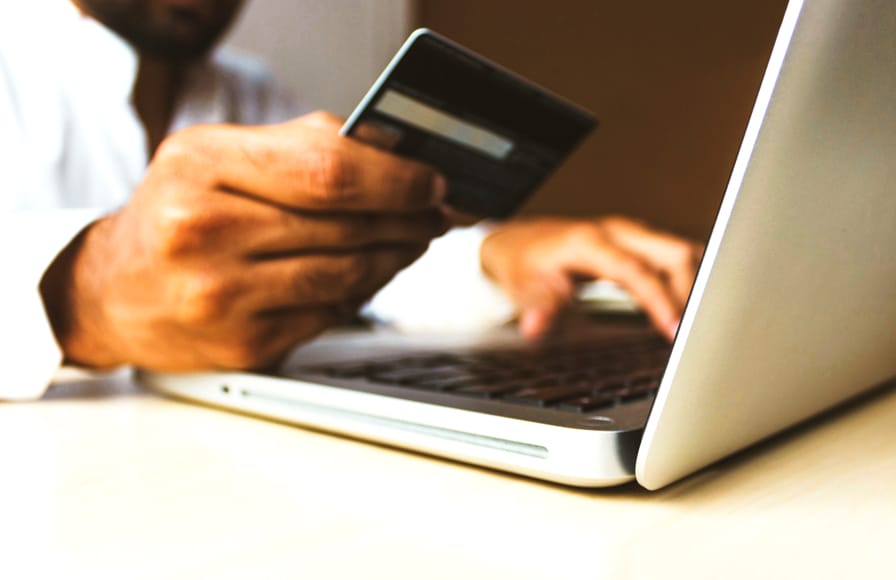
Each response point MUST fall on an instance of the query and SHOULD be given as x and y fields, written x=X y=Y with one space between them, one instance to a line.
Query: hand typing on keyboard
x=539 y=262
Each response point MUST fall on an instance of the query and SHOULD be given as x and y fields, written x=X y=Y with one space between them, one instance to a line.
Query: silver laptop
x=793 y=309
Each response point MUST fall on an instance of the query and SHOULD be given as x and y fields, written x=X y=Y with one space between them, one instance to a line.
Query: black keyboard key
x=485 y=391
x=608 y=386
x=639 y=390
x=443 y=383
x=410 y=375
x=398 y=376
x=630 y=396
x=643 y=382
x=350 y=371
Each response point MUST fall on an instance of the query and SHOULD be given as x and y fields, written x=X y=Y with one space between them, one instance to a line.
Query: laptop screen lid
x=793 y=309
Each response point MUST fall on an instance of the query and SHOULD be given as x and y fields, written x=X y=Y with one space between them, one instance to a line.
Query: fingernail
x=532 y=323
x=673 y=329
x=528 y=322
x=439 y=188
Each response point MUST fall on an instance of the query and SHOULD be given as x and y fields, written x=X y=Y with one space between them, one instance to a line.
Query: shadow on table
x=751 y=456
x=72 y=384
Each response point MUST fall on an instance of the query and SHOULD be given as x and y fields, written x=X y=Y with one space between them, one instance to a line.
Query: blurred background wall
x=671 y=82
x=327 y=51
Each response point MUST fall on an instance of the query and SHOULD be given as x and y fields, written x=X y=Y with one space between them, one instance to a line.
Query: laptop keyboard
x=579 y=378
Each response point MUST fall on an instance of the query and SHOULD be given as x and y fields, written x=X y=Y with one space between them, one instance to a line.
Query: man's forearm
x=70 y=296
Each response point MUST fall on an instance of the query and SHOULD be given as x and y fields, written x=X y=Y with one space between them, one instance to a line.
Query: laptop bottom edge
x=570 y=456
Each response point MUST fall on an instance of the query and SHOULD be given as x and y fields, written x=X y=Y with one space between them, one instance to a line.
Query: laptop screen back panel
x=794 y=308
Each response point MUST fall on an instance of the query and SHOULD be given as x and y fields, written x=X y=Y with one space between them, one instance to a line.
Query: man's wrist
x=486 y=229
x=72 y=304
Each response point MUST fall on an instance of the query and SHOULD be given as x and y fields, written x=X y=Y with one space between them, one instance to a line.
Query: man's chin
x=179 y=36
x=171 y=47
x=198 y=6
x=174 y=30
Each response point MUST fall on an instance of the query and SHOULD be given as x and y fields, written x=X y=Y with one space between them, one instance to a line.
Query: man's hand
x=238 y=244
x=539 y=261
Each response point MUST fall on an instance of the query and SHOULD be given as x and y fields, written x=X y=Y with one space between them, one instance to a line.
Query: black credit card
x=494 y=135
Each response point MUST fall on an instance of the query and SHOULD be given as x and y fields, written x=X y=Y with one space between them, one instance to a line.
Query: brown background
x=671 y=82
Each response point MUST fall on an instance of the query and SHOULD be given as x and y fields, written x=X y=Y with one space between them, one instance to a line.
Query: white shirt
x=72 y=148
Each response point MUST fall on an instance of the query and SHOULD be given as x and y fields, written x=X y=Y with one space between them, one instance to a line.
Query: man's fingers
x=535 y=322
x=381 y=136
x=270 y=338
x=322 y=120
x=537 y=318
x=322 y=279
x=541 y=303
x=315 y=169
x=644 y=283
x=677 y=258
x=373 y=133
x=260 y=230
x=304 y=166
x=291 y=328
x=304 y=233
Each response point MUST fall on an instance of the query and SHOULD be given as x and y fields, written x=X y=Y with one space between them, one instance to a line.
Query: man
x=170 y=225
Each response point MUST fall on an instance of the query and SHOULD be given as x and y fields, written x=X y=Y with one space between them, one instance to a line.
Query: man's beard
x=172 y=31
